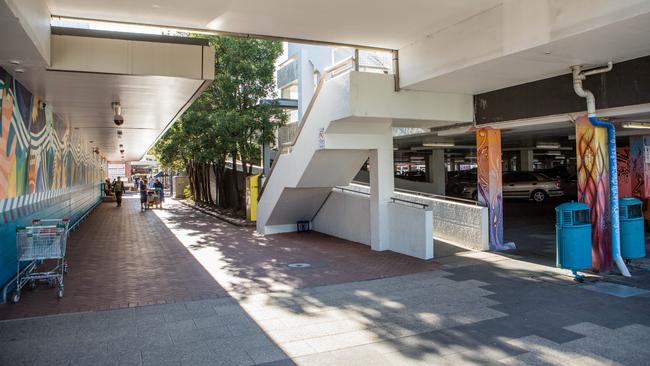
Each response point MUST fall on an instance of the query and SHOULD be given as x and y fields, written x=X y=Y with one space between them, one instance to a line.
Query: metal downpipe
x=578 y=77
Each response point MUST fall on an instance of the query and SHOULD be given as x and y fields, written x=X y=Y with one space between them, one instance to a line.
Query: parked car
x=532 y=185
x=415 y=175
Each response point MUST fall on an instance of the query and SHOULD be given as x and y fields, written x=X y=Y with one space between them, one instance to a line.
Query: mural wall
x=490 y=190
x=46 y=171
x=640 y=166
x=593 y=188
x=623 y=171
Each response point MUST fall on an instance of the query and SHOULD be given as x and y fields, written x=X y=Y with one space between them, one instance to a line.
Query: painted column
x=623 y=166
x=593 y=188
x=640 y=167
x=526 y=161
x=488 y=159
x=381 y=190
x=436 y=170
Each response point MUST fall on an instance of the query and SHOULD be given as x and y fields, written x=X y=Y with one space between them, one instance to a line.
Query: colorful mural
x=46 y=171
x=623 y=171
x=640 y=166
x=488 y=157
x=593 y=188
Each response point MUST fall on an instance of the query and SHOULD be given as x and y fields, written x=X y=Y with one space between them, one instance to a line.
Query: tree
x=228 y=120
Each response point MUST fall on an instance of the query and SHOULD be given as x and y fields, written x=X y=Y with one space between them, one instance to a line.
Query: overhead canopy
x=80 y=73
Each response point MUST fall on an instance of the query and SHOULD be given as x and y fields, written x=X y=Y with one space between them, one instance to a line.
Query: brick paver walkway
x=122 y=257
x=351 y=307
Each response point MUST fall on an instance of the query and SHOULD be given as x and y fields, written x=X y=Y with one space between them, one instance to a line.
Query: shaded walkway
x=121 y=257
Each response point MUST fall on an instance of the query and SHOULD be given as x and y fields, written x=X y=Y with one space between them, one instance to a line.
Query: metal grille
x=40 y=242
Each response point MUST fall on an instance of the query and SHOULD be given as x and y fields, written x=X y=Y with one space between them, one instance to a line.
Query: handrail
x=328 y=72
x=343 y=189
x=422 y=205
x=433 y=195
x=424 y=194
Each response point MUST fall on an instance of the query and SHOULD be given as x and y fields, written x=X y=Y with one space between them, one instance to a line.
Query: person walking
x=143 y=195
x=118 y=189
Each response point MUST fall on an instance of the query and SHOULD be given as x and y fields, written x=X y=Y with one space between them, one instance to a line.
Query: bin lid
x=629 y=201
x=572 y=206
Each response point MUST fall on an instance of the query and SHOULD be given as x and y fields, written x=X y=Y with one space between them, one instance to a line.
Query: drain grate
x=299 y=265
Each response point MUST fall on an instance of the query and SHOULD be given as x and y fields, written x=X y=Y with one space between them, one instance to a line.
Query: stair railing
x=329 y=73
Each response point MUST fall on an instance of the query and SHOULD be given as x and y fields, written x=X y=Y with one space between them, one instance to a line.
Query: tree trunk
x=238 y=204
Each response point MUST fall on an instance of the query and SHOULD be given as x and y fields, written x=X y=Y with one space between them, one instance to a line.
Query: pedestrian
x=107 y=187
x=143 y=195
x=160 y=191
x=118 y=189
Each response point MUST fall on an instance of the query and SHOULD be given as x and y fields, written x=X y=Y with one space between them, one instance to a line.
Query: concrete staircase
x=349 y=120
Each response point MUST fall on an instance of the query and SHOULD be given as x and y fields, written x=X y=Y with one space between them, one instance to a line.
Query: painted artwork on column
x=593 y=188
x=640 y=166
x=623 y=167
x=488 y=157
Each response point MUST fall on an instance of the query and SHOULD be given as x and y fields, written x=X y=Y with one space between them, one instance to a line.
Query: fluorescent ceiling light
x=439 y=144
x=553 y=153
x=643 y=125
x=548 y=145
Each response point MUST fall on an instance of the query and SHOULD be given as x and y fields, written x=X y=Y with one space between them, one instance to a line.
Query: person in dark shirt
x=118 y=189
x=143 y=194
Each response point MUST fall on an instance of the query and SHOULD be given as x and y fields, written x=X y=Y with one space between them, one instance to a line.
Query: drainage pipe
x=578 y=77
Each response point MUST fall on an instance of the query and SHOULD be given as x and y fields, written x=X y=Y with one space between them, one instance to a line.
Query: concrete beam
x=491 y=50
x=129 y=57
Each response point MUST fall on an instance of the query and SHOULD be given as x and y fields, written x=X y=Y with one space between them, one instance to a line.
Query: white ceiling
x=360 y=22
x=149 y=104
x=615 y=42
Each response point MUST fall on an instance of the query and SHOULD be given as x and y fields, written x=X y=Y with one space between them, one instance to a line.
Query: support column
x=593 y=189
x=640 y=166
x=624 y=173
x=526 y=160
x=381 y=189
x=436 y=171
x=305 y=82
x=488 y=160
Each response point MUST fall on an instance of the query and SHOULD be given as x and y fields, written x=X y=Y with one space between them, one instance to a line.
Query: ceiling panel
x=362 y=22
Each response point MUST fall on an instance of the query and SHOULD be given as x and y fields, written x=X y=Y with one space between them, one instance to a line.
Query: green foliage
x=230 y=117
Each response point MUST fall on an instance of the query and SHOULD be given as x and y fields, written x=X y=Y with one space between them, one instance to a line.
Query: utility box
x=252 y=190
x=631 y=219
x=573 y=236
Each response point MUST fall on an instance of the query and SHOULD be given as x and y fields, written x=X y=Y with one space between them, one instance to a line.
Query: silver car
x=531 y=185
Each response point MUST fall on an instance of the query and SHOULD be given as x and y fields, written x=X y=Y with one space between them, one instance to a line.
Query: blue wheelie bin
x=632 y=235
x=573 y=237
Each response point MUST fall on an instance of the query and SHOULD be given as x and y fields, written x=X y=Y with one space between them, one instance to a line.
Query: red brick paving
x=251 y=263
x=121 y=257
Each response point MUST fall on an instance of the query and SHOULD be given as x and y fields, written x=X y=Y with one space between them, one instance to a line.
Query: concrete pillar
x=381 y=190
x=489 y=169
x=526 y=160
x=436 y=173
x=266 y=159
x=640 y=166
x=305 y=82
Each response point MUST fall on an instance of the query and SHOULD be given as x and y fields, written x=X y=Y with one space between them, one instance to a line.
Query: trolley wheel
x=59 y=293
x=65 y=268
x=51 y=282
x=15 y=297
x=31 y=285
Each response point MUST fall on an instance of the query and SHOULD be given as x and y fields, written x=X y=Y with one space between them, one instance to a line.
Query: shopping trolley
x=44 y=240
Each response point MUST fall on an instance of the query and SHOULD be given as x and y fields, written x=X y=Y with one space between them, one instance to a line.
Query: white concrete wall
x=346 y=216
x=458 y=223
x=410 y=230
x=34 y=17
x=127 y=57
